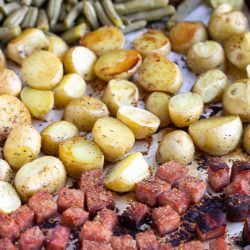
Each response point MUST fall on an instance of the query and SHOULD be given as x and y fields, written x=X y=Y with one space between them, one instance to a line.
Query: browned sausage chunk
x=246 y=231
x=108 y=218
x=166 y=246
x=240 y=170
x=6 y=244
x=146 y=240
x=192 y=245
x=91 y=180
x=124 y=242
x=238 y=186
x=8 y=228
x=93 y=245
x=218 y=244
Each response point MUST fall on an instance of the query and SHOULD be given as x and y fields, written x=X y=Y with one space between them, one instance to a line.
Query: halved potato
x=24 y=45
x=157 y=73
x=38 y=102
x=120 y=93
x=103 y=39
x=45 y=173
x=84 y=111
x=152 y=41
x=80 y=60
x=126 y=173
x=117 y=64
x=5 y=171
x=72 y=86
x=236 y=4
x=185 y=109
x=13 y=113
x=2 y=60
x=79 y=155
x=217 y=135
x=113 y=137
x=142 y=122
x=42 y=70
x=57 y=45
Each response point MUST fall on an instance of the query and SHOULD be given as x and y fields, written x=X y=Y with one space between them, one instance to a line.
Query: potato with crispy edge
x=79 y=155
x=217 y=135
x=117 y=64
x=246 y=139
x=184 y=35
x=44 y=173
x=5 y=171
x=55 y=133
x=177 y=146
x=84 y=111
x=157 y=73
x=120 y=93
x=57 y=45
x=113 y=137
x=103 y=39
x=236 y=4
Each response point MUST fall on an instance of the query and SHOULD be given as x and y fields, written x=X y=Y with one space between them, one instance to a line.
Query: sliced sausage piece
x=246 y=231
x=238 y=186
x=108 y=218
x=6 y=244
x=147 y=191
x=8 y=228
x=91 y=179
x=146 y=240
x=124 y=242
x=43 y=205
x=166 y=246
x=218 y=244
x=191 y=245
x=240 y=170
x=93 y=245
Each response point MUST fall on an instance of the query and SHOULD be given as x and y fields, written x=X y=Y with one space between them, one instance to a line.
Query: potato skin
x=44 y=173
x=5 y=171
x=246 y=139
x=177 y=146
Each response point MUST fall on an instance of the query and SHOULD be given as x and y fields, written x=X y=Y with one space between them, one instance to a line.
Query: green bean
x=134 y=26
x=63 y=14
x=7 y=33
x=101 y=14
x=74 y=33
x=16 y=17
x=72 y=15
x=38 y=3
x=72 y=1
x=68 y=6
x=30 y=18
x=90 y=14
x=54 y=7
x=26 y=2
x=43 y=21
x=9 y=7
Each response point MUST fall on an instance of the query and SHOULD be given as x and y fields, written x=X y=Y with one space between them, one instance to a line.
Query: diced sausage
x=74 y=217
x=147 y=191
x=239 y=186
x=240 y=170
x=165 y=219
x=176 y=199
x=246 y=231
x=8 y=228
x=134 y=215
x=191 y=245
x=43 y=205
x=124 y=242
x=91 y=179
x=24 y=217
x=108 y=218
x=93 y=245
x=59 y=238
x=171 y=172
x=193 y=187
x=32 y=239
x=166 y=246
x=218 y=244
x=146 y=240
x=69 y=198
x=6 y=244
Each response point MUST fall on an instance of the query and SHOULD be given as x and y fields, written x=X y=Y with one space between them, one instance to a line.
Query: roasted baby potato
x=236 y=4
x=103 y=39
x=10 y=84
x=177 y=146
x=158 y=103
x=217 y=135
x=5 y=171
x=152 y=41
x=79 y=155
x=2 y=60
x=45 y=173
x=210 y=85
x=159 y=74
x=126 y=173
x=38 y=102
x=226 y=22
x=185 y=34
x=24 y=45
x=185 y=109
x=22 y=145
x=84 y=111
x=113 y=137
x=13 y=113
x=57 y=45
x=120 y=93
x=204 y=56
x=117 y=64
x=80 y=60
x=9 y=199
x=246 y=139
x=42 y=70
x=72 y=86
x=142 y=122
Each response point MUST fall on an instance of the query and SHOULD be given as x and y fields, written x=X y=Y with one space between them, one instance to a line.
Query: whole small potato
x=185 y=34
x=157 y=73
x=120 y=93
x=79 y=155
x=217 y=135
x=2 y=60
x=10 y=84
x=211 y=85
x=113 y=137
x=45 y=173
x=22 y=145
x=55 y=133
x=117 y=64
x=5 y=171
x=236 y=4
x=204 y=56
x=177 y=146
x=246 y=139
x=57 y=45
x=84 y=111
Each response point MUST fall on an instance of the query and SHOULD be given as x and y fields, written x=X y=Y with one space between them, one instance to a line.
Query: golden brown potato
x=103 y=39
x=84 y=111
x=2 y=60
x=113 y=137
x=236 y=4
x=57 y=45
x=246 y=139
x=5 y=171
x=117 y=64
x=42 y=70
x=185 y=34
x=159 y=74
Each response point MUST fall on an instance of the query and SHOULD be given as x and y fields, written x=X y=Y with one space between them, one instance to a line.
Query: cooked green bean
x=16 y=17
x=26 y=2
x=72 y=15
x=63 y=14
x=7 y=33
x=72 y=1
x=74 y=33
x=38 y=3
x=54 y=8
x=30 y=18
x=134 y=26
x=9 y=7
x=68 y=6
x=101 y=14
x=43 y=21
x=90 y=15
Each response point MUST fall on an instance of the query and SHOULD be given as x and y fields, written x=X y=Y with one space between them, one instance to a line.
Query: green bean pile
x=72 y=18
